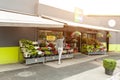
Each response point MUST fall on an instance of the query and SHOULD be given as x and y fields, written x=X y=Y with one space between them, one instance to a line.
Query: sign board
x=78 y=15
x=50 y=38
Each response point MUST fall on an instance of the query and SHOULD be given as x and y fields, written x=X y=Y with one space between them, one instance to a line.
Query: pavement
x=89 y=68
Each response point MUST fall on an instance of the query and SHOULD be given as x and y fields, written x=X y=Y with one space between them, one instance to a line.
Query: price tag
x=36 y=60
x=53 y=57
x=66 y=55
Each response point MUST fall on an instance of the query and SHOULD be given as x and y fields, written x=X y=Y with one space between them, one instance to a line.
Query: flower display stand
x=34 y=60
x=35 y=54
x=65 y=56
x=51 y=58
x=47 y=58
x=98 y=52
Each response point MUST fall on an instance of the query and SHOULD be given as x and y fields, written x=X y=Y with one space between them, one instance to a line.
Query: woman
x=59 y=47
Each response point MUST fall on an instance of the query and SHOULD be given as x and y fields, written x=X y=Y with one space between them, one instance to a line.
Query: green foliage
x=109 y=35
x=48 y=53
x=43 y=44
x=24 y=42
x=87 y=48
x=91 y=45
x=109 y=64
x=90 y=48
x=99 y=34
x=90 y=41
x=44 y=48
x=42 y=35
x=83 y=48
x=29 y=47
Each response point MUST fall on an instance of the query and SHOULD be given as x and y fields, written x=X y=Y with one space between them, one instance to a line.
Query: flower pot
x=109 y=72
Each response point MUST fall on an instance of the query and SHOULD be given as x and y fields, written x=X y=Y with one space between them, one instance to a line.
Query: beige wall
x=96 y=20
x=55 y=12
x=20 y=6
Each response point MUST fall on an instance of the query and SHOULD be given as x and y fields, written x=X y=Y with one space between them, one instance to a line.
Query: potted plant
x=109 y=65
x=109 y=35
x=76 y=34
x=99 y=35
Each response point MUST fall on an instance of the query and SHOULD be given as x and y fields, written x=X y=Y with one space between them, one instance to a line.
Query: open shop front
x=47 y=39
x=88 y=39
x=44 y=49
x=77 y=39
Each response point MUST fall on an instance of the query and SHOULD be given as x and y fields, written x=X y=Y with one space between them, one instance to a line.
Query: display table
x=35 y=54
x=65 y=56
x=47 y=58
x=34 y=60
x=98 y=52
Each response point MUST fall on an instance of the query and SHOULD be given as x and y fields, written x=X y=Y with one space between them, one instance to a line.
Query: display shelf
x=34 y=60
x=35 y=54
x=47 y=58
x=98 y=52
x=65 y=56
x=51 y=58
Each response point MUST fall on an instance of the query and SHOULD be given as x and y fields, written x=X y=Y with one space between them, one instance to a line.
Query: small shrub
x=109 y=64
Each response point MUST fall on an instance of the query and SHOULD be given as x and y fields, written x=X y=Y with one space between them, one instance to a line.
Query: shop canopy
x=73 y=24
x=8 y=19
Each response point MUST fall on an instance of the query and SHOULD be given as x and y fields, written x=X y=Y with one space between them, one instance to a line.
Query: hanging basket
x=84 y=35
x=109 y=35
x=76 y=34
x=99 y=35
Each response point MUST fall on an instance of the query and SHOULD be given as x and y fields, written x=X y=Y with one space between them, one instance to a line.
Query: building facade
x=9 y=36
x=96 y=20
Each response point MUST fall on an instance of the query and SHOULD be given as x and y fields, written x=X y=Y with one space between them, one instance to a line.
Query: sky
x=94 y=7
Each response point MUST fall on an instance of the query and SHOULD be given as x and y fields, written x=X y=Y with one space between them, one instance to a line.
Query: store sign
x=78 y=15
x=50 y=38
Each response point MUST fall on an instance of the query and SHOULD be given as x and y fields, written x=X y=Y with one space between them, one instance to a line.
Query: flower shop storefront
x=44 y=49
x=86 y=41
x=85 y=38
x=77 y=39
x=15 y=27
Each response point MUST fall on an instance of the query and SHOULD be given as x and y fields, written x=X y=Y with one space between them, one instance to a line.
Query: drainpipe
x=107 y=41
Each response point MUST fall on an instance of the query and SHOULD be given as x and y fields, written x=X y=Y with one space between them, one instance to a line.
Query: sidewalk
x=83 y=67
x=96 y=74
x=11 y=67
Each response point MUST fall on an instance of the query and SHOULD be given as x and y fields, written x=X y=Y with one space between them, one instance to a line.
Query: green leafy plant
x=48 y=53
x=29 y=47
x=90 y=48
x=76 y=34
x=109 y=65
x=91 y=45
x=44 y=48
x=109 y=35
x=83 y=48
x=99 y=34
x=25 y=42
x=43 y=44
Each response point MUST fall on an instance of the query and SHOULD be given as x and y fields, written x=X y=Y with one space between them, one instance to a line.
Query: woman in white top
x=59 y=47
